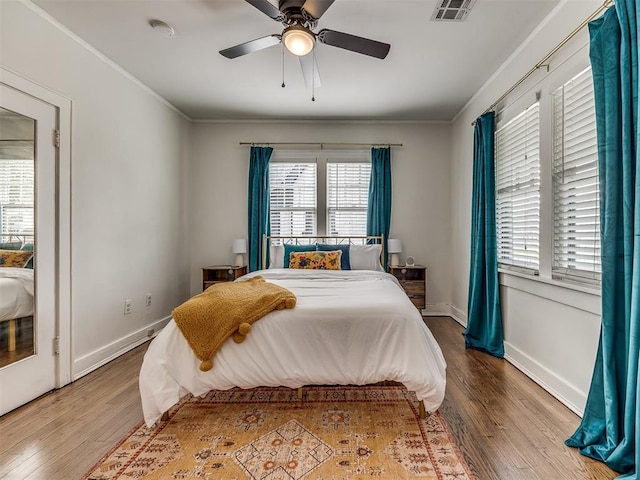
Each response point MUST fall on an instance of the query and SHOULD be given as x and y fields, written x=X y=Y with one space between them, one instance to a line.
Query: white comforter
x=348 y=327
x=16 y=293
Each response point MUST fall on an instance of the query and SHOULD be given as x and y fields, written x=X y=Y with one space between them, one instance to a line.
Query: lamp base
x=239 y=260
x=395 y=260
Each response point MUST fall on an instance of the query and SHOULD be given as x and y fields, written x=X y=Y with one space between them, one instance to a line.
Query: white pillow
x=365 y=257
x=276 y=256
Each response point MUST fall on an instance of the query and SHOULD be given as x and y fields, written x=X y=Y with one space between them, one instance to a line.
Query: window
x=518 y=190
x=292 y=198
x=16 y=199
x=547 y=177
x=576 y=228
x=347 y=198
x=319 y=193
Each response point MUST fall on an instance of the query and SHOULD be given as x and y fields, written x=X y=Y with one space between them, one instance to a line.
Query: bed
x=349 y=327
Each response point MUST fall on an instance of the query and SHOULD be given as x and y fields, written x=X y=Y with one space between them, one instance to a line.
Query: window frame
x=567 y=64
x=353 y=208
x=313 y=209
x=321 y=158
x=512 y=192
x=588 y=139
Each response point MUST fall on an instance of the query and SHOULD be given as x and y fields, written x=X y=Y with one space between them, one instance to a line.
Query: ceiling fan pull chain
x=283 y=85
x=313 y=78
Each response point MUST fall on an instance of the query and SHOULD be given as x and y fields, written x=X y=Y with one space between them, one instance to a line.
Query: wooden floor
x=507 y=427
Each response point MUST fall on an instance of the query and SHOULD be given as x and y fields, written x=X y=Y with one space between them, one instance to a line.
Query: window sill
x=582 y=297
x=572 y=285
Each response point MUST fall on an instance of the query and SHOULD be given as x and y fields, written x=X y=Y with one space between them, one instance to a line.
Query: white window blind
x=292 y=198
x=16 y=199
x=576 y=233
x=347 y=198
x=517 y=149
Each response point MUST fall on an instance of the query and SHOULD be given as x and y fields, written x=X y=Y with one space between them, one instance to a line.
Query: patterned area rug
x=334 y=433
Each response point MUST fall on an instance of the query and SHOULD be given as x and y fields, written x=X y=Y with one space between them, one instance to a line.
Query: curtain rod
x=322 y=144
x=543 y=62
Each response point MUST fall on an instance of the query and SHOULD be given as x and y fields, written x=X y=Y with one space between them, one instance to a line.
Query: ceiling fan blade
x=356 y=44
x=251 y=46
x=310 y=70
x=267 y=8
x=316 y=8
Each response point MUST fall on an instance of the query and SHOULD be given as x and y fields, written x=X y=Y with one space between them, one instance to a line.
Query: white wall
x=551 y=331
x=129 y=175
x=420 y=201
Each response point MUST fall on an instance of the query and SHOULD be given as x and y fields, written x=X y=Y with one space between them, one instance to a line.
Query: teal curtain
x=258 y=203
x=609 y=430
x=379 y=207
x=484 y=318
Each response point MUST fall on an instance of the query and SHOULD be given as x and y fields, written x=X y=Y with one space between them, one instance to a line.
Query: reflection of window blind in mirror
x=576 y=229
x=517 y=147
x=292 y=198
x=347 y=198
x=16 y=200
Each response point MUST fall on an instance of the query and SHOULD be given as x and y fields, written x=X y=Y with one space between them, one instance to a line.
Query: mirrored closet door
x=27 y=248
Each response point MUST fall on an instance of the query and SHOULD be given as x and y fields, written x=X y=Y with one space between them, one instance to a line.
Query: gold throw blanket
x=223 y=310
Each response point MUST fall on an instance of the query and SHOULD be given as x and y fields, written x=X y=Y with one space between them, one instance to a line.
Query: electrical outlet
x=148 y=299
x=150 y=332
x=127 y=306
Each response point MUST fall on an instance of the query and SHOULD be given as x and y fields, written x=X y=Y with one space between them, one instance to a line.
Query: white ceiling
x=432 y=70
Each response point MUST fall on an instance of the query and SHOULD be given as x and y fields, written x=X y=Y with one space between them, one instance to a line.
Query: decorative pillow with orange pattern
x=316 y=260
x=15 y=258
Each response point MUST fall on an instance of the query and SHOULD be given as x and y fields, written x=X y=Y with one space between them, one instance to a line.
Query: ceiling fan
x=300 y=17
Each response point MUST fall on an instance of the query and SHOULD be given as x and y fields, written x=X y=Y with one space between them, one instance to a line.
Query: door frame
x=63 y=216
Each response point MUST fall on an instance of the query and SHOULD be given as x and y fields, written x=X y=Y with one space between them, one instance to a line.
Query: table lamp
x=394 y=247
x=239 y=248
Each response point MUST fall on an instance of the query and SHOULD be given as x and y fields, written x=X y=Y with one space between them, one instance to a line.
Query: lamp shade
x=298 y=40
x=239 y=246
x=394 y=245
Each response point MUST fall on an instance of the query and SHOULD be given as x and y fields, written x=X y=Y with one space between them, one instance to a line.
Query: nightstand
x=413 y=280
x=220 y=273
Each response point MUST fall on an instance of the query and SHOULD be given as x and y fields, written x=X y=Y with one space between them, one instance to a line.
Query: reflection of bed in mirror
x=16 y=283
x=16 y=298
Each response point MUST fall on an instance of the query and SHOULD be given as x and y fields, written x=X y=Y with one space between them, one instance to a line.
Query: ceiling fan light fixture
x=298 y=40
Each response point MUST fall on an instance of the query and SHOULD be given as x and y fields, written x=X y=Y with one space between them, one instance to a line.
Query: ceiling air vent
x=452 y=10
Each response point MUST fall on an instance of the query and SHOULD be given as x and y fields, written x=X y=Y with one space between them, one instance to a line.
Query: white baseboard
x=459 y=316
x=88 y=363
x=573 y=398
x=566 y=393
x=436 y=310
